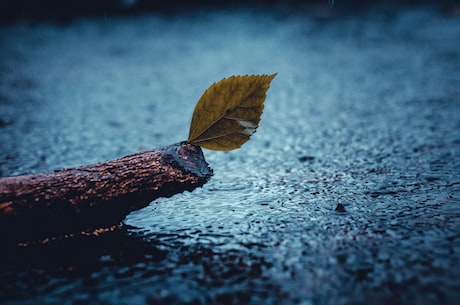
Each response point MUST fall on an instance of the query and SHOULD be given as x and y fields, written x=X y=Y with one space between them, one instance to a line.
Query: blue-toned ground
x=364 y=112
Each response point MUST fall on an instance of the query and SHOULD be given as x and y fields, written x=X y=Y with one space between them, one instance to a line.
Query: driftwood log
x=86 y=198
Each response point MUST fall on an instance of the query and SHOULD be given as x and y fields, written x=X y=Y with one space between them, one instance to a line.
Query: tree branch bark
x=77 y=199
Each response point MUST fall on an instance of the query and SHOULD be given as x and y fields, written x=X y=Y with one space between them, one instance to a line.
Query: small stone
x=306 y=158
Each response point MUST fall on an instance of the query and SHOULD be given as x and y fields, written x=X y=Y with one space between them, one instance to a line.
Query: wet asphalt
x=348 y=193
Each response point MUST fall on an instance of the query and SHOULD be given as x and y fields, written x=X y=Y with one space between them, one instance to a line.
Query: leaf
x=229 y=111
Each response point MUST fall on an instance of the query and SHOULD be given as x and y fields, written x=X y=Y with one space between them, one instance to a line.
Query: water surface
x=364 y=112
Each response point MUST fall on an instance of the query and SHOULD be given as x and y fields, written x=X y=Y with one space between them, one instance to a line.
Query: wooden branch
x=96 y=196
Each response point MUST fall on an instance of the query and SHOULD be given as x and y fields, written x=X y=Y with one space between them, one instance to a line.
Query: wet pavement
x=364 y=116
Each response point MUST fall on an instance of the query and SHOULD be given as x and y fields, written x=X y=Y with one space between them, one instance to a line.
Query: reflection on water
x=76 y=267
x=363 y=113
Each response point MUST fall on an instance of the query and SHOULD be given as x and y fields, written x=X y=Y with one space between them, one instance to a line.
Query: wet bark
x=87 y=198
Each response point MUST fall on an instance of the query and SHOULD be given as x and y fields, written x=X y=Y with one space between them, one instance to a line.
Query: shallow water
x=364 y=112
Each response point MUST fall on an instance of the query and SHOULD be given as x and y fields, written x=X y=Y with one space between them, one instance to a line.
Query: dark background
x=64 y=11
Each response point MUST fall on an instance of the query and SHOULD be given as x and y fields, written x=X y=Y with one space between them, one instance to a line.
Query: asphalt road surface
x=364 y=115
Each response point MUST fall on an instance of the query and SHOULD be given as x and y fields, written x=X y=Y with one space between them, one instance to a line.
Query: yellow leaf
x=229 y=111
